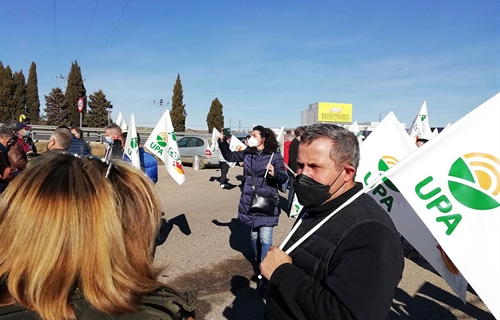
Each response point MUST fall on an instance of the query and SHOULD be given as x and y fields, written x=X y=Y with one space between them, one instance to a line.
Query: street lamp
x=160 y=104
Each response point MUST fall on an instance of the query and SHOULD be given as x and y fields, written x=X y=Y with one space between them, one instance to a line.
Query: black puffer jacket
x=348 y=269
x=254 y=163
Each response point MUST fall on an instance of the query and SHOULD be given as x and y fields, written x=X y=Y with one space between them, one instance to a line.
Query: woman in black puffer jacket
x=259 y=157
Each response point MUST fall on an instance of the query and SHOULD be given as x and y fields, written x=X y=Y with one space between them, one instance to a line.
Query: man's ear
x=349 y=173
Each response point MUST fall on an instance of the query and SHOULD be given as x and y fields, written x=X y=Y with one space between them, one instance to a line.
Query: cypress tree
x=98 y=110
x=19 y=101
x=178 y=113
x=74 y=91
x=56 y=110
x=6 y=95
x=32 y=97
x=215 y=117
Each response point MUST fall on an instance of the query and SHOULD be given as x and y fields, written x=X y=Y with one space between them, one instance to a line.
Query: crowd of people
x=91 y=256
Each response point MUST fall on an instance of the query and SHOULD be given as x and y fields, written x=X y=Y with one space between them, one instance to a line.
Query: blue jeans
x=265 y=234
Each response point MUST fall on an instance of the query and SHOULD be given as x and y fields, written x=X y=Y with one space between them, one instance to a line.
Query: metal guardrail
x=97 y=133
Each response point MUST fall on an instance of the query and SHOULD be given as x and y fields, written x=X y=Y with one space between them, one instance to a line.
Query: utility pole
x=63 y=81
x=160 y=105
x=239 y=125
x=229 y=123
x=379 y=116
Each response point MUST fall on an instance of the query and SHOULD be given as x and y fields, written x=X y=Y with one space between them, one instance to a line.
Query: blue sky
x=266 y=61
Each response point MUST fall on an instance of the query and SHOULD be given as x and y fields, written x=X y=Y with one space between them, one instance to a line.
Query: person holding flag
x=264 y=171
x=350 y=266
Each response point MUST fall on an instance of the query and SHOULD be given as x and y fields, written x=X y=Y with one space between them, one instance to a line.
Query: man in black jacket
x=350 y=267
x=293 y=151
x=114 y=137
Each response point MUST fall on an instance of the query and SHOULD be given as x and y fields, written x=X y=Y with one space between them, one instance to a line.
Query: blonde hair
x=66 y=228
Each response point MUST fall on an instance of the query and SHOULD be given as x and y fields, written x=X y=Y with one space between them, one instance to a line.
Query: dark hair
x=298 y=132
x=269 y=137
x=124 y=137
x=345 y=146
x=64 y=127
x=79 y=131
x=422 y=140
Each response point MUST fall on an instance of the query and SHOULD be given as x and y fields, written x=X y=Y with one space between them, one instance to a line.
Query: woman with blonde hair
x=77 y=237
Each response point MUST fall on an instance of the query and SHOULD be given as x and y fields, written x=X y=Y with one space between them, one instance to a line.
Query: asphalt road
x=208 y=250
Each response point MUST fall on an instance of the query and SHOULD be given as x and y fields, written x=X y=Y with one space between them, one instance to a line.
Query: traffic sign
x=80 y=105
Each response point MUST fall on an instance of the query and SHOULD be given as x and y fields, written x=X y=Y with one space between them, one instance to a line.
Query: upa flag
x=453 y=184
x=163 y=144
x=420 y=128
x=121 y=122
x=296 y=207
x=131 y=145
x=354 y=128
x=215 y=136
x=383 y=149
x=280 y=138
x=435 y=132
x=235 y=145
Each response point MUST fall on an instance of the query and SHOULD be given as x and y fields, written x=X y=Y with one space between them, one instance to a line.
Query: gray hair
x=62 y=137
x=345 y=147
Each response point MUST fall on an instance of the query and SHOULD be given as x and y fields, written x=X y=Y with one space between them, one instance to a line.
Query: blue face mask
x=26 y=133
x=109 y=140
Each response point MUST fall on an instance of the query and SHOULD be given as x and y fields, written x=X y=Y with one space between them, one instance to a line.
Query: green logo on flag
x=422 y=117
x=474 y=181
x=161 y=139
x=133 y=143
x=384 y=164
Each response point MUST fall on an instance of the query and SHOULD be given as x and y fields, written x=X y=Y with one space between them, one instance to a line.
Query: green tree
x=6 y=94
x=19 y=100
x=215 y=117
x=98 y=110
x=178 y=113
x=74 y=91
x=32 y=97
x=56 y=110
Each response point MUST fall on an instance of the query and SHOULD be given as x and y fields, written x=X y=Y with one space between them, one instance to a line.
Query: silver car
x=199 y=145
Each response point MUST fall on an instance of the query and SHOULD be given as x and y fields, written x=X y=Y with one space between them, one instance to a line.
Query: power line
x=108 y=39
x=88 y=29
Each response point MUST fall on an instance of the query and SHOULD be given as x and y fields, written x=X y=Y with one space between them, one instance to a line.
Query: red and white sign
x=80 y=105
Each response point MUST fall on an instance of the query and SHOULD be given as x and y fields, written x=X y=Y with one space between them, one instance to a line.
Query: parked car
x=199 y=145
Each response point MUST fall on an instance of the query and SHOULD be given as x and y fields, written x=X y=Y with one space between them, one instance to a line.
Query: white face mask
x=252 y=142
x=109 y=140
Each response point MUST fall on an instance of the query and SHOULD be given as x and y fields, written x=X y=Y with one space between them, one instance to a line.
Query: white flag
x=296 y=207
x=131 y=145
x=434 y=133
x=453 y=183
x=383 y=149
x=235 y=145
x=163 y=144
x=215 y=136
x=280 y=138
x=354 y=128
x=121 y=122
x=420 y=128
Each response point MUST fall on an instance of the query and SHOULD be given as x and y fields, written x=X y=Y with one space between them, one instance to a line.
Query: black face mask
x=310 y=192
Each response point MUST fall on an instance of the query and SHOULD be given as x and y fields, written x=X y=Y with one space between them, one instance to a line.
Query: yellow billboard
x=334 y=112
